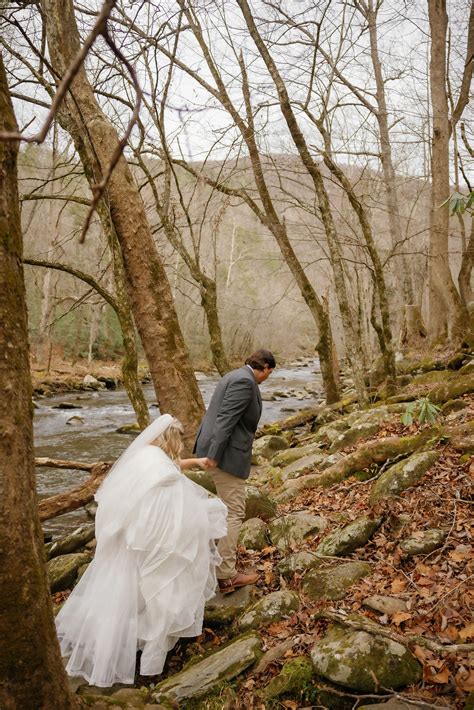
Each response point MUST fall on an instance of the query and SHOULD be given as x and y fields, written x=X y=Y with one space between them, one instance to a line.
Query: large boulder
x=349 y=538
x=199 y=678
x=332 y=582
x=267 y=446
x=258 y=504
x=403 y=475
x=298 y=562
x=295 y=528
x=254 y=534
x=272 y=607
x=62 y=571
x=364 y=662
x=455 y=387
x=293 y=678
x=306 y=464
x=423 y=542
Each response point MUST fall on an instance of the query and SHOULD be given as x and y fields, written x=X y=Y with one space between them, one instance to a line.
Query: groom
x=225 y=438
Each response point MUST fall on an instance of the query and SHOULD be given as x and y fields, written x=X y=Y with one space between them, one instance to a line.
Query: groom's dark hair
x=260 y=358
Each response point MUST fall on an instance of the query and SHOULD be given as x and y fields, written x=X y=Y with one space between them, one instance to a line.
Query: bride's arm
x=194 y=463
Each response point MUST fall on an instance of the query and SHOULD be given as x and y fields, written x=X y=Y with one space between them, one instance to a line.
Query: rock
x=399 y=705
x=258 y=504
x=202 y=478
x=273 y=607
x=266 y=446
x=364 y=430
x=461 y=437
x=254 y=534
x=364 y=662
x=332 y=582
x=403 y=475
x=67 y=405
x=423 y=542
x=199 y=678
x=467 y=369
x=328 y=432
x=76 y=420
x=452 y=389
x=109 y=382
x=298 y=562
x=222 y=609
x=91 y=509
x=292 y=679
x=288 y=456
x=70 y=543
x=92 y=383
x=349 y=538
x=454 y=405
x=386 y=605
x=433 y=377
x=306 y=464
x=132 y=696
x=294 y=528
x=62 y=571
x=132 y=428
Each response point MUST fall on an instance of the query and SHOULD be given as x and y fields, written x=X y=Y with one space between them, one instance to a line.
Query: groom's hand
x=210 y=463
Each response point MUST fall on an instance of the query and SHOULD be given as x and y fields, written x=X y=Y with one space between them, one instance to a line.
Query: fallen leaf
x=442 y=677
x=467 y=632
x=424 y=582
x=398 y=585
x=290 y=704
x=400 y=616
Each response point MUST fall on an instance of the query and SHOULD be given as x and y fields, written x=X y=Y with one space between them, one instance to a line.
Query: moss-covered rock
x=202 y=478
x=349 y=538
x=62 y=570
x=461 y=437
x=403 y=475
x=364 y=662
x=199 y=678
x=273 y=607
x=297 y=563
x=294 y=678
x=265 y=447
x=254 y=534
x=223 y=609
x=332 y=582
x=384 y=604
x=303 y=465
x=423 y=542
x=258 y=504
x=454 y=405
x=457 y=386
x=433 y=377
x=364 y=430
x=294 y=528
x=289 y=456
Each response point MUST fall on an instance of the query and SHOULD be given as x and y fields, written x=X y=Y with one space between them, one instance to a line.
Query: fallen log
x=61 y=463
x=77 y=497
x=360 y=623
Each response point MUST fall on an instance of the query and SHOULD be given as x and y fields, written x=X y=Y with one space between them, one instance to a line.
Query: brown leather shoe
x=226 y=586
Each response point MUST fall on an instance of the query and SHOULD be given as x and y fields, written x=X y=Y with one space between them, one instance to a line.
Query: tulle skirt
x=146 y=587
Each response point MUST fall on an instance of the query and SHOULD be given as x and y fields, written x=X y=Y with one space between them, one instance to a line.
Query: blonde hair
x=171 y=440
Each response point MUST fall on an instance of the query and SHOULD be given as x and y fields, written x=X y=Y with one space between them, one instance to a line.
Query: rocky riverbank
x=361 y=528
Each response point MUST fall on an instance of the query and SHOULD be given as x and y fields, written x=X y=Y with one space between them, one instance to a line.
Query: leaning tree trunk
x=148 y=288
x=445 y=306
x=31 y=670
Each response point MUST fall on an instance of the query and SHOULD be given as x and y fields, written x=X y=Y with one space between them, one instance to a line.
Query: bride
x=154 y=566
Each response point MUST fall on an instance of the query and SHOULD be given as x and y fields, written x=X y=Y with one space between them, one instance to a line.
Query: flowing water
x=94 y=438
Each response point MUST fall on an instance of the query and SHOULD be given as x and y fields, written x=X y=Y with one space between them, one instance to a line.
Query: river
x=94 y=438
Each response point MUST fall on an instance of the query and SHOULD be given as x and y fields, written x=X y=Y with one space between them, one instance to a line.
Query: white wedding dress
x=153 y=570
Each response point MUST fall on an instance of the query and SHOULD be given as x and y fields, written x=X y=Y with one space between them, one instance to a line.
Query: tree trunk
x=464 y=278
x=413 y=333
x=31 y=670
x=148 y=288
x=445 y=307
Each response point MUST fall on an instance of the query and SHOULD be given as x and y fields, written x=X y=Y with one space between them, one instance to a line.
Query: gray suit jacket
x=227 y=431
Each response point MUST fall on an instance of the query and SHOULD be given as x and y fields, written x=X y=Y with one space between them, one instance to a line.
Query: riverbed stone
x=70 y=543
x=62 y=571
x=306 y=464
x=75 y=420
x=349 y=538
x=272 y=607
x=294 y=528
x=331 y=583
x=254 y=534
x=266 y=447
x=92 y=383
x=364 y=430
x=297 y=563
x=200 y=677
x=384 y=604
x=292 y=679
x=67 y=405
x=222 y=609
x=403 y=475
x=133 y=429
x=364 y=662
x=423 y=542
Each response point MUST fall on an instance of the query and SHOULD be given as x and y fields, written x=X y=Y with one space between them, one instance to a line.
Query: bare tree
x=31 y=670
